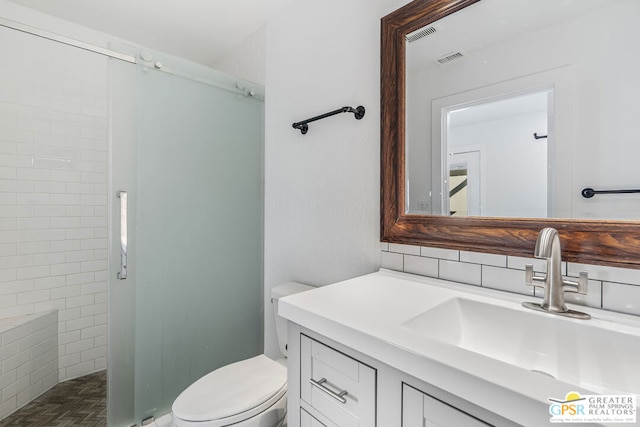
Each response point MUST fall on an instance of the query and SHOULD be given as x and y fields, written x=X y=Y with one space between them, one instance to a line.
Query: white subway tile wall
x=610 y=288
x=53 y=193
x=28 y=358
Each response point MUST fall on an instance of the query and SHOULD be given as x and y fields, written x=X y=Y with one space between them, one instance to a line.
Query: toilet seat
x=232 y=393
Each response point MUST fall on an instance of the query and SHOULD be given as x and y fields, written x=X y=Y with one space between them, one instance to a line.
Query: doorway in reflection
x=465 y=182
x=496 y=166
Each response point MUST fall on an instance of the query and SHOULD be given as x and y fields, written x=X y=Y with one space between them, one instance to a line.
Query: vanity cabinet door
x=422 y=410
x=337 y=386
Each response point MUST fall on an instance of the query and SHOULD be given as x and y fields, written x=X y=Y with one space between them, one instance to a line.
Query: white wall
x=322 y=188
x=249 y=61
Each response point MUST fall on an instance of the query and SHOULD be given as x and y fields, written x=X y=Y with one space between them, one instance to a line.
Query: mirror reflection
x=513 y=107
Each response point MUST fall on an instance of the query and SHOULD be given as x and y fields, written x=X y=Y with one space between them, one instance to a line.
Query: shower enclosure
x=191 y=167
x=84 y=128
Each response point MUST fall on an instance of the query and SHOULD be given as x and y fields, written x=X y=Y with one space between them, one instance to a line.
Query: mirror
x=466 y=184
x=490 y=78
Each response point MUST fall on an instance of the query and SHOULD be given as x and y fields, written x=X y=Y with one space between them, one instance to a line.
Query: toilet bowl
x=248 y=393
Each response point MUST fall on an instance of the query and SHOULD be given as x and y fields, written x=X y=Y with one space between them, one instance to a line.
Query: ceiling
x=197 y=30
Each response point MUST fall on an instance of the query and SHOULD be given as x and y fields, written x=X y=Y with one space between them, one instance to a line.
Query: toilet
x=248 y=393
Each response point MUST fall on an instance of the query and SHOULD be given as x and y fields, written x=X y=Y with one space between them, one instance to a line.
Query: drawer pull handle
x=337 y=396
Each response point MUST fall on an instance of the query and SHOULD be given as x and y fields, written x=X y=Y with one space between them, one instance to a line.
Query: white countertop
x=367 y=314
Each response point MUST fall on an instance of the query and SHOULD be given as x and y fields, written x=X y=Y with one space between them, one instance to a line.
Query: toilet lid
x=231 y=390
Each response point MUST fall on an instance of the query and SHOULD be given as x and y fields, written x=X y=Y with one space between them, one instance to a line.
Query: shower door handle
x=122 y=274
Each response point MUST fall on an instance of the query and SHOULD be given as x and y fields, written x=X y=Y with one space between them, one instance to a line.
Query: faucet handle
x=531 y=279
x=528 y=274
x=583 y=282
x=580 y=286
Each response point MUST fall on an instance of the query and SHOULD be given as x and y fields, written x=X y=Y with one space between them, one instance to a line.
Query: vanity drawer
x=308 y=420
x=337 y=386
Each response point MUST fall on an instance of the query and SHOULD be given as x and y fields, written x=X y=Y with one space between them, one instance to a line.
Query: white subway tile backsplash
x=439 y=253
x=519 y=263
x=505 y=279
x=421 y=265
x=621 y=297
x=460 y=272
x=606 y=274
x=404 y=249
x=507 y=274
x=593 y=298
x=482 y=258
x=391 y=260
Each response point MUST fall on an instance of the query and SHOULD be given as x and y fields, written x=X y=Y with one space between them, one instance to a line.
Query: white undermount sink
x=593 y=354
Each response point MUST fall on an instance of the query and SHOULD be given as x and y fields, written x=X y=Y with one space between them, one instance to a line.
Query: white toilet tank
x=278 y=292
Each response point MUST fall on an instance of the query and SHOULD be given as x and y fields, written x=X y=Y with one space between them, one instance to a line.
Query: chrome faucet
x=554 y=285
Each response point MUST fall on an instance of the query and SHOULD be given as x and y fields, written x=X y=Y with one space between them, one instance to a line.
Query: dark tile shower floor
x=80 y=402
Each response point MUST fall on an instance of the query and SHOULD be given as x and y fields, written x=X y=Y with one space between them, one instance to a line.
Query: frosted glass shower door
x=195 y=214
x=199 y=234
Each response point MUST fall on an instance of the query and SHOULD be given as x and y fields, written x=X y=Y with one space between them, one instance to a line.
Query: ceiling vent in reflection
x=423 y=32
x=449 y=57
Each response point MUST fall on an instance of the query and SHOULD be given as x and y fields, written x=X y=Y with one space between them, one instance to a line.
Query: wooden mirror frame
x=603 y=242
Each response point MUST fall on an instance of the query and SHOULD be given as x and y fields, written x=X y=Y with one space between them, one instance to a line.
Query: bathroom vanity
x=393 y=349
